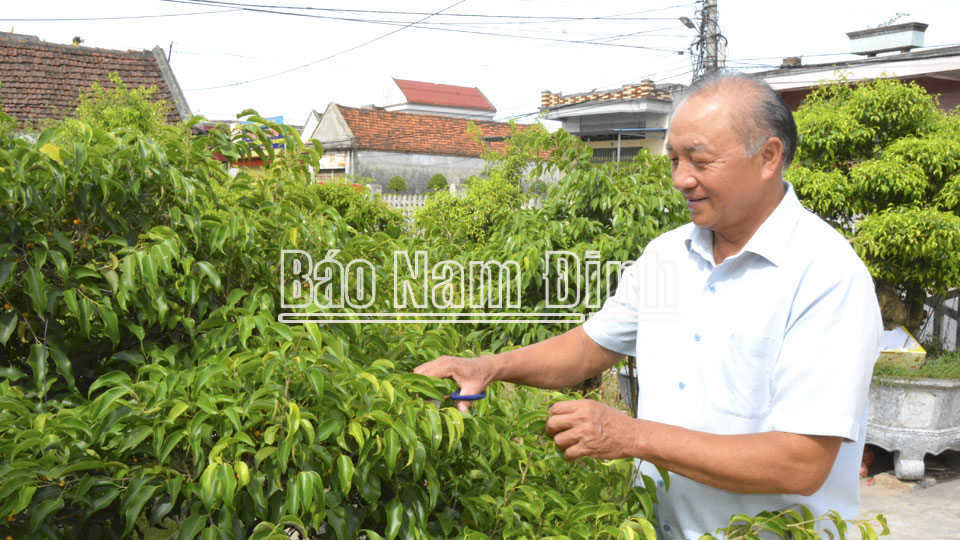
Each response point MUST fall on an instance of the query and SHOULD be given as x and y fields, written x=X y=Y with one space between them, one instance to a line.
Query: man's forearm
x=558 y=362
x=770 y=462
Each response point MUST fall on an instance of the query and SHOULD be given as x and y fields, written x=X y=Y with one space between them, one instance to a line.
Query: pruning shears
x=457 y=396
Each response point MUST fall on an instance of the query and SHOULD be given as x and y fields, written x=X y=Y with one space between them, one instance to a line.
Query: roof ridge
x=39 y=43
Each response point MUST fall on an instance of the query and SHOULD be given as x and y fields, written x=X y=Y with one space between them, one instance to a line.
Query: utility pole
x=710 y=34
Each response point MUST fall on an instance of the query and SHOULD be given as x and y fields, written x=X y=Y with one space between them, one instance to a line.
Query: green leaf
x=305 y=487
x=37 y=289
x=345 y=473
x=210 y=272
x=644 y=526
x=44 y=138
x=169 y=444
x=419 y=457
x=11 y=374
x=235 y=296
x=40 y=514
x=8 y=323
x=6 y=271
x=24 y=497
x=191 y=527
x=263 y=454
x=665 y=475
x=110 y=322
x=392 y=441
x=63 y=242
x=112 y=279
x=137 y=495
x=38 y=362
x=64 y=366
x=394 y=518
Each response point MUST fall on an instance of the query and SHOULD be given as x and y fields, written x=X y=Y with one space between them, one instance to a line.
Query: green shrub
x=147 y=384
x=397 y=183
x=880 y=162
x=120 y=107
x=437 y=182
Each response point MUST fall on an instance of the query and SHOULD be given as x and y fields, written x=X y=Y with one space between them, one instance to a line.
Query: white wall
x=416 y=169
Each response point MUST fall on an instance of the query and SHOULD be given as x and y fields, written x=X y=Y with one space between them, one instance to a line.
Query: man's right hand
x=472 y=374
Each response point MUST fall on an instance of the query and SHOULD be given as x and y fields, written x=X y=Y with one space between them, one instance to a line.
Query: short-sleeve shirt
x=779 y=337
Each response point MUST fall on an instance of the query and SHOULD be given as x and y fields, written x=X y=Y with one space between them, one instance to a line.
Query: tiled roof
x=40 y=80
x=444 y=95
x=376 y=129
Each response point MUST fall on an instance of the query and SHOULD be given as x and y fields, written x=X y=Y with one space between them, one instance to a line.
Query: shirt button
x=666 y=527
x=683 y=385
x=713 y=288
x=660 y=482
x=696 y=337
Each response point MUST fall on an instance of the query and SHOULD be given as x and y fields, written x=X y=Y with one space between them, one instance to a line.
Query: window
x=607 y=155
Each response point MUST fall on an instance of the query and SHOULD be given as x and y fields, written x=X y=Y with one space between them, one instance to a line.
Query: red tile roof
x=40 y=80
x=376 y=129
x=444 y=95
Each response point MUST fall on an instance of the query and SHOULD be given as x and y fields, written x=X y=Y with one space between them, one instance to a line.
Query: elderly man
x=755 y=349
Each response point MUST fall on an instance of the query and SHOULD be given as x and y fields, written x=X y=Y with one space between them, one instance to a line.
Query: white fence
x=407 y=204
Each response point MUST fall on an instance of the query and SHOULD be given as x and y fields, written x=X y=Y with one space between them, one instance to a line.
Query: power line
x=74 y=19
x=365 y=43
x=534 y=18
x=426 y=27
x=459 y=31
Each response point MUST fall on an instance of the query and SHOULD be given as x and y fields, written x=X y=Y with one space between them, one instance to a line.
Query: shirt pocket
x=740 y=381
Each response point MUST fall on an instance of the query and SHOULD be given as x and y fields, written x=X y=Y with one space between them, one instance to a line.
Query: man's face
x=723 y=189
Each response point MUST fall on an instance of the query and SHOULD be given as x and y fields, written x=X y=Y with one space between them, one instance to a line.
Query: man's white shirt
x=779 y=337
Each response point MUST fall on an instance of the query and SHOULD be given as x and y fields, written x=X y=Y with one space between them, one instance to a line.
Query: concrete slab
x=914 y=512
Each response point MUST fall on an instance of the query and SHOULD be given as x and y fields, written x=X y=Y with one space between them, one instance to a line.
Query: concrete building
x=380 y=144
x=937 y=70
x=41 y=81
x=615 y=123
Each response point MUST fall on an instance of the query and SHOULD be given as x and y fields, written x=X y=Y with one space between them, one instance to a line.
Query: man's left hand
x=587 y=428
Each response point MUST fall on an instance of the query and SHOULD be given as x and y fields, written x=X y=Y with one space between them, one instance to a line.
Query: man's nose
x=683 y=177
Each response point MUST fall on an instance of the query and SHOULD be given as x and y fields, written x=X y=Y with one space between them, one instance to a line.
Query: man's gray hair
x=757 y=119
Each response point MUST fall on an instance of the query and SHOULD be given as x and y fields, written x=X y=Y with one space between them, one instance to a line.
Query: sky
x=288 y=57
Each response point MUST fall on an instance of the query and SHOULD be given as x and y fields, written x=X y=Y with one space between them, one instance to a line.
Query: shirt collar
x=769 y=241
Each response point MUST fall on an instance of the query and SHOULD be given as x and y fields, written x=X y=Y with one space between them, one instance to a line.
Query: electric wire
x=355 y=47
x=119 y=18
x=535 y=18
x=433 y=28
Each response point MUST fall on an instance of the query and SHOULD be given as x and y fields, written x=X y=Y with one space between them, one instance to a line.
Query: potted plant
x=880 y=162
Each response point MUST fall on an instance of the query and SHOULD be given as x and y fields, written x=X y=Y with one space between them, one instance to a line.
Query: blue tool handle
x=456 y=396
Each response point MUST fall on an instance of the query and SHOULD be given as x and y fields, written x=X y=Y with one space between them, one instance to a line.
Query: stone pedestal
x=912 y=418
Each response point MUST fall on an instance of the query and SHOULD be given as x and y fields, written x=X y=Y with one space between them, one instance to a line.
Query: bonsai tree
x=437 y=182
x=397 y=183
x=880 y=162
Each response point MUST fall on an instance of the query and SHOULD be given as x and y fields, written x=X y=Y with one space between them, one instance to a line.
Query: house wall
x=655 y=141
x=416 y=169
x=948 y=90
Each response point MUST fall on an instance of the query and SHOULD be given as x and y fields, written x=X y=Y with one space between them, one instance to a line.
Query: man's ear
x=771 y=156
